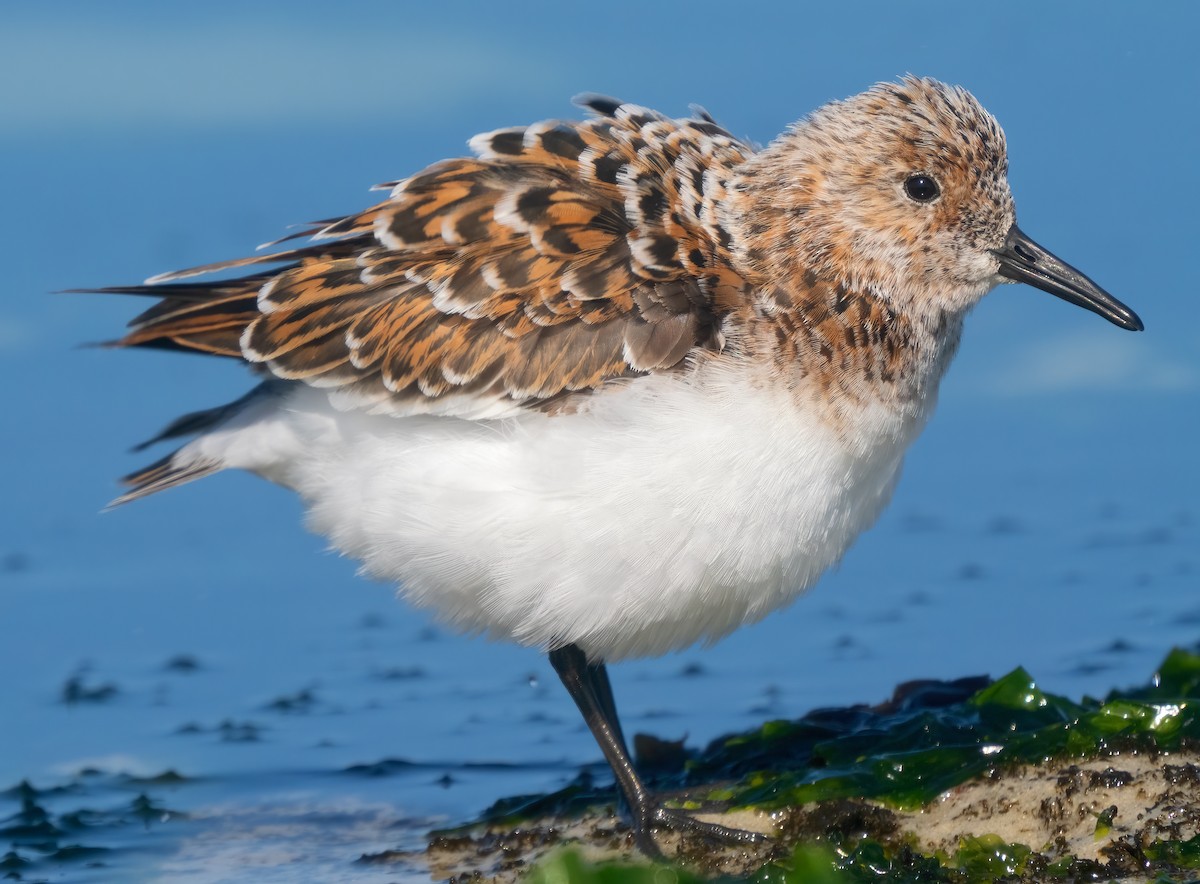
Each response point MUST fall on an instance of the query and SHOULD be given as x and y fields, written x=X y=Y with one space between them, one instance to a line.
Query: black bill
x=1025 y=261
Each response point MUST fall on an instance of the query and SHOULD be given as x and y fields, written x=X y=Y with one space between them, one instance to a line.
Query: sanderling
x=609 y=388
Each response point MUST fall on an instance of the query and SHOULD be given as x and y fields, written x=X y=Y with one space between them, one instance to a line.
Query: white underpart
x=672 y=510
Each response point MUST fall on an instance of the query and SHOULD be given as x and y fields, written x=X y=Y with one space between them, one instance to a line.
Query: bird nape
x=612 y=387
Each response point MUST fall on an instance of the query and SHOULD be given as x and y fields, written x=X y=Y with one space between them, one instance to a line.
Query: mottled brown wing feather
x=563 y=256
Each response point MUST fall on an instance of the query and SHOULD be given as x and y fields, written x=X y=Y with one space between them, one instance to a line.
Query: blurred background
x=202 y=651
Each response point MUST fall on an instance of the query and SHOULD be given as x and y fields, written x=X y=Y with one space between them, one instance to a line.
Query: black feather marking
x=510 y=142
x=642 y=117
x=707 y=127
x=607 y=167
x=652 y=202
x=188 y=425
x=216 y=306
x=560 y=241
x=564 y=142
x=183 y=291
x=407 y=226
x=196 y=422
x=473 y=226
x=512 y=271
x=533 y=203
x=604 y=105
x=662 y=249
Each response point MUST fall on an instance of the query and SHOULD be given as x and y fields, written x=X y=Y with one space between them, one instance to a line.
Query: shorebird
x=612 y=387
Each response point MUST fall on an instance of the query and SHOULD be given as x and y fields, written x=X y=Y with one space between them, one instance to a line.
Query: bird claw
x=658 y=817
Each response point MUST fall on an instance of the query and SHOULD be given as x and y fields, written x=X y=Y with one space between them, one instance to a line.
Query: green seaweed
x=907 y=758
x=807 y=865
x=990 y=858
x=1179 y=854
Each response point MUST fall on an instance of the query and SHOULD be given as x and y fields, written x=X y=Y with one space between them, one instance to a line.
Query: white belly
x=669 y=512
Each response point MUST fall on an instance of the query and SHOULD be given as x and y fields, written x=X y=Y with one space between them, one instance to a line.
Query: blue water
x=1048 y=517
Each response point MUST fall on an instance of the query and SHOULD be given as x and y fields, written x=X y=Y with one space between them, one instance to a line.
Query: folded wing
x=563 y=256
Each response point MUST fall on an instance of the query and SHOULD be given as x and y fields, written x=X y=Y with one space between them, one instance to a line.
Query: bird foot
x=655 y=816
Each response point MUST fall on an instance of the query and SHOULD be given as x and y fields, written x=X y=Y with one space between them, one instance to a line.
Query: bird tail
x=167 y=472
x=192 y=461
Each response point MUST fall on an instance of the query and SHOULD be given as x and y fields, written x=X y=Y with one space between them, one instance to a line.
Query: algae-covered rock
x=964 y=781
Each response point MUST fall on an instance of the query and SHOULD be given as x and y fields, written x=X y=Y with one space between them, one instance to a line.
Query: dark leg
x=588 y=685
x=596 y=674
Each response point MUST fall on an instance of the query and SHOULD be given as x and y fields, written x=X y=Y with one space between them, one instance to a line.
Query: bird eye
x=921 y=188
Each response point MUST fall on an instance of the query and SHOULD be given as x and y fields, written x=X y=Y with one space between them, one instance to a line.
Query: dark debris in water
x=168 y=777
x=24 y=791
x=182 y=663
x=385 y=767
x=227 y=730
x=76 y=689
x=301 y=701
x=40 y=839
x=400 y=673
x=386 y=857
